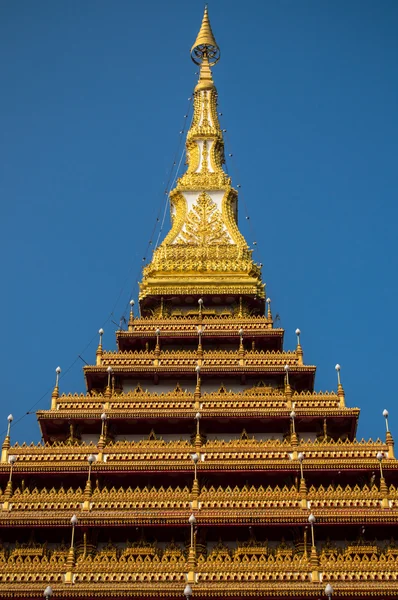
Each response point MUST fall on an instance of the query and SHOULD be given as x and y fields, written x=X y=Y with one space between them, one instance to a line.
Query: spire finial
x=299 y=350
x=205 y=44
x=55 y=394
x=6 y=444
x=205 y=53
x=99 y=348
x=269 y=313
x=340 y=389
x=389 y=438
x=131 y=317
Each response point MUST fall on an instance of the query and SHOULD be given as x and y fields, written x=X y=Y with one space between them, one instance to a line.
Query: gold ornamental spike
x=205 y=44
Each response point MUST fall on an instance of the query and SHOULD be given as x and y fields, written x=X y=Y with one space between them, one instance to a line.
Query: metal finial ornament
x=57 y=374
x=10 y=419
x=298 y=333
x=48 y=592
x=188 y=591
x=338 y=369
x=286 y=367
x=200 y=305
x=292 y=417
x=311 y=521
x=300 y=457
x=385 y=415
x=205 y=46
x=328 y=591
x=200 y=330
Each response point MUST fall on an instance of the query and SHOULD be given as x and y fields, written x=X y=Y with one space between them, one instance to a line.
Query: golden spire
x=205 y=53
x=205 y=43
x=204 y=253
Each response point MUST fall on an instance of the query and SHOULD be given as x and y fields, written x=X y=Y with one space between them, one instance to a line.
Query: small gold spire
x=197 y=393
x=55 y=394
x=88 y=489
x=293 y=434
x=102 y=438
x=99 y=348
x=195 y=486
x=7 y=443
x=340 y=389
x=314 y=561
x=389 y=438
x=131 y=319
x=9 y=489
x=383 y=485
x=303 y=485
x=299 y=350
x=200 y=348
x=108 y=390
x=192 y=553
x=288 y=389
x=205 y=53
x=269 y=313
x=198 y=437
x=70 y=561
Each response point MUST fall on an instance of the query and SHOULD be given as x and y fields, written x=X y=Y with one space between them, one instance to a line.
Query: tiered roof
x=200 y=460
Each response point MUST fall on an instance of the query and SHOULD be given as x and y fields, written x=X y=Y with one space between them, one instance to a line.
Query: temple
x=200 y=462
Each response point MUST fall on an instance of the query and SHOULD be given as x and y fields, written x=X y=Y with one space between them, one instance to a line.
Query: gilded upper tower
x=204 y=253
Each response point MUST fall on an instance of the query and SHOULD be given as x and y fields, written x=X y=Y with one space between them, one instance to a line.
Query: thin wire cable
x=127 y=278
x=134 y=289
x=167 y=203
x=241 y=194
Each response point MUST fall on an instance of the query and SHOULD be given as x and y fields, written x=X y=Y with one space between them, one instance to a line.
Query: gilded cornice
x=351 y=584
x=261 y=399
x=212 y=499
x=234 y=455
x=187 y=325
x=209 y=358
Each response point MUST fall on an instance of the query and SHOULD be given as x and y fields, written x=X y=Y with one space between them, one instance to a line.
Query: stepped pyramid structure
x=200 y=462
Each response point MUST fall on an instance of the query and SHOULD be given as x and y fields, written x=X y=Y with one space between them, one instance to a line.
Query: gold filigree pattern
x=204 y=224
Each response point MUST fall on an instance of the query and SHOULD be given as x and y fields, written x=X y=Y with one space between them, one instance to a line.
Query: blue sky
x=93 y=99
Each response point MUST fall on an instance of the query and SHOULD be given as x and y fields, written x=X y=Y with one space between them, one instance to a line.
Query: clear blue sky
x=92 y=102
